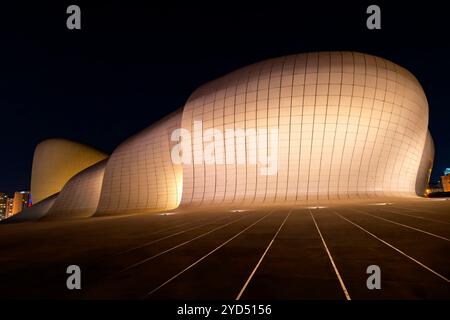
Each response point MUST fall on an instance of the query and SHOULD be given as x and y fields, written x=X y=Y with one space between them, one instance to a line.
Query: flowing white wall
x=140 y=176
x=80 y=196
x=349 y=125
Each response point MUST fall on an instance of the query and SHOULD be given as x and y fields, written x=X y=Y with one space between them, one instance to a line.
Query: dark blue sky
x=132 y=64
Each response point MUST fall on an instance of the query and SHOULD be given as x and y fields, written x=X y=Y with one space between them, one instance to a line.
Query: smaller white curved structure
x=79 y=197
x=55 y=161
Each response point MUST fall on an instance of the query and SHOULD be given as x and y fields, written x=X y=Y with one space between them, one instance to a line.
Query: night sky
x=131 y=64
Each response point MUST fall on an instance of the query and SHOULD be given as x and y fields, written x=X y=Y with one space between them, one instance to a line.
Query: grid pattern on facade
x=349 y=125
x=426 y=165
x=140 y=175
x=80 y=196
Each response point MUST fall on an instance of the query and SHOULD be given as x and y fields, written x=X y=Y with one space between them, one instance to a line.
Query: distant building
x=435 y=186
x=3 y=204
x=22 y=200
x=445 y=180
x=9 y=207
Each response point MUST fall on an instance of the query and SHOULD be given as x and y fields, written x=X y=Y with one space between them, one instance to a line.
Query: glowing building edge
x=348 y=126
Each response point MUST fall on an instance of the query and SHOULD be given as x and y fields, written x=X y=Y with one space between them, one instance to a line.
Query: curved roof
x=55 y=161
x=347 y=124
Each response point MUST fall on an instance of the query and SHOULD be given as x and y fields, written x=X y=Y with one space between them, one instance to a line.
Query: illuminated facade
x=55 y=161
x=445 y=180
x=9 y=207
x=80 y=195
x=349 y=125
x=426 y=165
x=295 y=129
x=140 y=175
x=21 y=200
x=3 y=205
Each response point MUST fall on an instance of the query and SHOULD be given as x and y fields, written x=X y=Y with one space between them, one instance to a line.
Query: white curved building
x=296 y=129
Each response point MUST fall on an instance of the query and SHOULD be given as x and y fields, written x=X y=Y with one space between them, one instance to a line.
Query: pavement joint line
x=116 y=254
x=423 y=210
x=341 y=281
x=155 y=256
x=171 y=235
x=413 y=216
x=180 y=245
x=392 y=247
x=403 y=225
x=206 y=255
x=244 y=287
